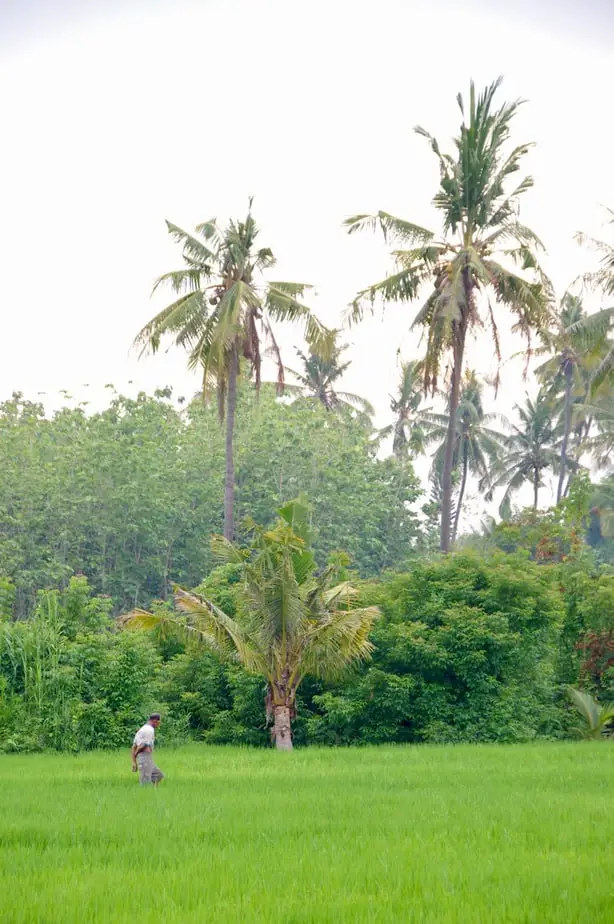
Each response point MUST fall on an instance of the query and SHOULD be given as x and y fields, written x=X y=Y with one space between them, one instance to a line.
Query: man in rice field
x=142 y=752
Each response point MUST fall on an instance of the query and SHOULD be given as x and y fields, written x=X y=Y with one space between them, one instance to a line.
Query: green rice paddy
x=487 y=834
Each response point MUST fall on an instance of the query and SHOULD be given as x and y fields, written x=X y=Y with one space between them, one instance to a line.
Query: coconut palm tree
x=599 y=326
x=474 y=261
x=531 y=449
x=407 y=430
x=224 y=312
x=290 y=621
x=573 y=355
x=478 y=447
x=319 y=376
x=601 y=444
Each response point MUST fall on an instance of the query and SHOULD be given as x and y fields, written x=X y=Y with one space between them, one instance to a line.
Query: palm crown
x=320 y=375
x=225 y=305
x=224 y=312
x=531 y=449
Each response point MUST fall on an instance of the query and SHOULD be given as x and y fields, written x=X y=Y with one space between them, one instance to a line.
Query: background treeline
x=131 y=496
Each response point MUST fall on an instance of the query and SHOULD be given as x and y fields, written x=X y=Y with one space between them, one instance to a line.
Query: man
x=142 y=752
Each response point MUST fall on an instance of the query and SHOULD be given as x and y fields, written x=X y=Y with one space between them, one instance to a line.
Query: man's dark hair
x=154 y=716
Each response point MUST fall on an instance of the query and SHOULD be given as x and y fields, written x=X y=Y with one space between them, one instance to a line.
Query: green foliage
x=465 y=651
x=68 y=681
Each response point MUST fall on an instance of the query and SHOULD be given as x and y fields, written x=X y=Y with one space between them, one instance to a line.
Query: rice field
x=410 y=834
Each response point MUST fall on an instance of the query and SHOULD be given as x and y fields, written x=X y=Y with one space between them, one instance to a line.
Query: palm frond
x=393 y=228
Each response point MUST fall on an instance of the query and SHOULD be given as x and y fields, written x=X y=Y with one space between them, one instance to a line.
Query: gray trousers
x=148 y=772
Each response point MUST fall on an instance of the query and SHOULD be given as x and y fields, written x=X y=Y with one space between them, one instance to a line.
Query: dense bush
x=470 y=647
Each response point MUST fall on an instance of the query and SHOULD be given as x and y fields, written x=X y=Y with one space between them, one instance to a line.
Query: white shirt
x=145 y=736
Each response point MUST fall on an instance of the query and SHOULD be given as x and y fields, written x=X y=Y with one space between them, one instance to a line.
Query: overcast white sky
x=116 y=116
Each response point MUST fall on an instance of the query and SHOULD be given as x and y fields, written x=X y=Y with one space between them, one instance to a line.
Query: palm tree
x=477 y=447
x=602 y=443
x=531 y=449
x=598 y=326
x=408 y=427
x=224 y=310
x=290 y=621
x=319 y=376
x=464 y=268
x=572 y=356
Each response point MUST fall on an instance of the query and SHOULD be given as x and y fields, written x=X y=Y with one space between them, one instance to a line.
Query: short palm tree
x=566 y=373
x=475 y=259
x=530 y=450
x=478 y=446
x=224 y=311
x=319 y=377
x=290 y=620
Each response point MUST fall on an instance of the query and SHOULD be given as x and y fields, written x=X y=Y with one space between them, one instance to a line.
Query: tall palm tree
x=573 y=355
x=531 y=449
x=408 y=427
x=224 y=311
x=477 y=447
x=482 y=240
x=320 y=375
x=290 y=621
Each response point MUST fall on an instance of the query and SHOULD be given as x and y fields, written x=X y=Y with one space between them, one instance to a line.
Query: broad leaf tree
x=290 y=621
x=484 y=259
x=223 y=317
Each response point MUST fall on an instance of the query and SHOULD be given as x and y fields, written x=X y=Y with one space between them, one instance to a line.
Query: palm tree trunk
x=461 y=495
x=446 y=480
x=568 y=383
x=535 y=488
x=229 y=485
x=282 y=728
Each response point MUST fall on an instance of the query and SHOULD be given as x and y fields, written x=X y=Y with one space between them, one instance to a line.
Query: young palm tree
x=572 y=356
x=320 y=374
x=597 y=720
x=224 y=311
x=482 y=240
x=407 y=431
x=531 y=449
x=290 y=621
x=477 y=447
